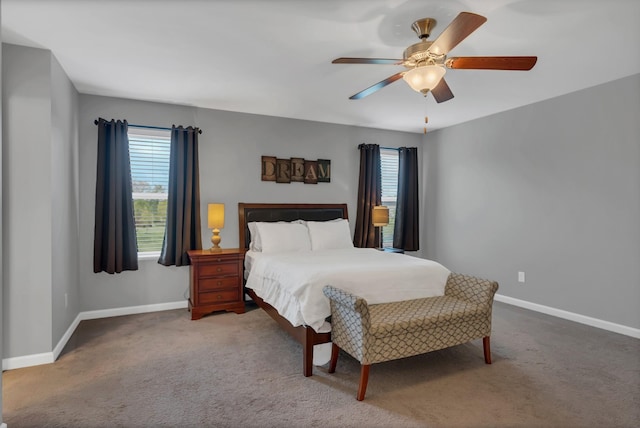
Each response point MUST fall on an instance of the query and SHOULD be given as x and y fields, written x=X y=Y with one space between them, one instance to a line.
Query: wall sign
x=296 y=170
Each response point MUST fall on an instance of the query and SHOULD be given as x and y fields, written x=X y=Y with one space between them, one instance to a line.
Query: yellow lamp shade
x=380 y=216
x=216 y=216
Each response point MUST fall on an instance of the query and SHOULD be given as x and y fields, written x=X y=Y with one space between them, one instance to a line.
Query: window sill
x=149 y=256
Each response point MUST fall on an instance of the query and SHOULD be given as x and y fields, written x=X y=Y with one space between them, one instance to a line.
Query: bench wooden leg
x=334 y=358
x=487 y=349
x=364 y=378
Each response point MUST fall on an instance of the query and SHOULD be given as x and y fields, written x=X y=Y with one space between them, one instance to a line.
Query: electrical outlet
x=521 y=277
x=66 y=300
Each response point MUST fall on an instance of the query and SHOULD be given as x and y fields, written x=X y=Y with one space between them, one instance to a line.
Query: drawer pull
x=219 y=282
x=219 y=297
x=218 y=269
x=219 y=260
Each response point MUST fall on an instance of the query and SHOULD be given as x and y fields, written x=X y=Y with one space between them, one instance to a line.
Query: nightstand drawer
x=219 y=269
x=208 y=284
x=219 y=296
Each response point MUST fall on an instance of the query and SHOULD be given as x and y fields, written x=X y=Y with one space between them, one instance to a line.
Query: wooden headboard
x=285 y=212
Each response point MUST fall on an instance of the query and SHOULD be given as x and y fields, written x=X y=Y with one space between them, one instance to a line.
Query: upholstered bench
x=388 y=331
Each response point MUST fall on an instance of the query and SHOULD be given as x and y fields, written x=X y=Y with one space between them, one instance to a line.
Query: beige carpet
x=228 y=370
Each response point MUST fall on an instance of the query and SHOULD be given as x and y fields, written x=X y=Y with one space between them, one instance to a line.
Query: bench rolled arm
x=471 y=288
x=345 y=299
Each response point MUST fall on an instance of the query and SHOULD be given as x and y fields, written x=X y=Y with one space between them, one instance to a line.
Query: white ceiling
x=274 y=57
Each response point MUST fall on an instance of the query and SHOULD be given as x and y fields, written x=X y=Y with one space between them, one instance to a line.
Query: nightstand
x=216 y=281
x=391 y=250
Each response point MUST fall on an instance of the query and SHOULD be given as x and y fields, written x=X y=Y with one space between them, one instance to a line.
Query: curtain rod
x=151 y=127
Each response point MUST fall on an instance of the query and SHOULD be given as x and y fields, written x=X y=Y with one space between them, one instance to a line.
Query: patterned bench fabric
x=389 y=331
x=349 y=318
x=465 y=287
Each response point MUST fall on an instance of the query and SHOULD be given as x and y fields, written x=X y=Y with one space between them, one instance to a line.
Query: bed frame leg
x=486 y=344
x=307 y=353
x=364 y=379
x=334 y=358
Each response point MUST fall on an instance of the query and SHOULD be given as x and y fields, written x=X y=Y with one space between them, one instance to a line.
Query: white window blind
x=149 y=156
x=389 y=178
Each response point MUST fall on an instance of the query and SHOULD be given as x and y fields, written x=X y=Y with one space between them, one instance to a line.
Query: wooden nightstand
x=216 y=282
x=391 y=250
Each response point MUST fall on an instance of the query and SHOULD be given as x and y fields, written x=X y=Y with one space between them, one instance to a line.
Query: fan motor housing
x=419 y=53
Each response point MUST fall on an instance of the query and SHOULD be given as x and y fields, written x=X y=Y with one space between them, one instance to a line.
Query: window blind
x=389 y=178
x=149 y=152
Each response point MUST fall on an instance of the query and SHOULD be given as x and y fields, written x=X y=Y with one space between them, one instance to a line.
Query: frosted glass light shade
x=216 y=216
x=425 y=78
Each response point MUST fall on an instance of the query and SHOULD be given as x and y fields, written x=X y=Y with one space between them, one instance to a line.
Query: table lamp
x=216 y=222
x=380 y=218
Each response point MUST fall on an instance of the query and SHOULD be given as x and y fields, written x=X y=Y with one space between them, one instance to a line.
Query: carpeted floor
x=228 y=370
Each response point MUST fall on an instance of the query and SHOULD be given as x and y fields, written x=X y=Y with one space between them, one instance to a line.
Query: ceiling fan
x=427 y=61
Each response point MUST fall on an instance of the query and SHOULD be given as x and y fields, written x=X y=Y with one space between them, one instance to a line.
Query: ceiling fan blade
x=371 y=89
x=442 y=92
x=463 y=25
x=366 y=61
x=523 y=63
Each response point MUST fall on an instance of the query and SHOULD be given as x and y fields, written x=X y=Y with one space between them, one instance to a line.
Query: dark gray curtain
x=182 y=231
x=114 y=245
x=406 y=230
x=369 y=194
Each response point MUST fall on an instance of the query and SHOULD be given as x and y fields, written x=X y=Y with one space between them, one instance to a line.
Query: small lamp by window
x=380 y=216
x=216 y=222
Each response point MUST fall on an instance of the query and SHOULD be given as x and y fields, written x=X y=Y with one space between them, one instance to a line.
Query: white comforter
x=292 y=282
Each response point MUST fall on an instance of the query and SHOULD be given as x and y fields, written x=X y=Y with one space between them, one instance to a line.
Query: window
x=389 y=177
x=149 y=153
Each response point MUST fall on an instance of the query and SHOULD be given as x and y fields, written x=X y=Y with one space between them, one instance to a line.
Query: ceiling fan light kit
x=424 y=78
x=427 y=61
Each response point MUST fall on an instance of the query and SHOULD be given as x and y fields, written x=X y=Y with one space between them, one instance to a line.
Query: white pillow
x=255 y=243
x=330 y=235
x=283 y=237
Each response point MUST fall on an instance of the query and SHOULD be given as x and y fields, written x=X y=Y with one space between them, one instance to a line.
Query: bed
x=292 y=281
x=289 y=212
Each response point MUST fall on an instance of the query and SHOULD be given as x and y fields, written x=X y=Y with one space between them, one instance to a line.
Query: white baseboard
x=571 y=316
x=27 y=361
x=50 y=357
x=3 y=425
x=131 y=310
x=66 y=336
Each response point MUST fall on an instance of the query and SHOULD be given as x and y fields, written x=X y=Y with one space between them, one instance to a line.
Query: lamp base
x=215 y=240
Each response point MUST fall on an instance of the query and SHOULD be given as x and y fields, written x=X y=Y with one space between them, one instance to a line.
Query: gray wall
x=551 y=189
x=230 y=149
x=40 y=201
x=64 y=201
x=152 y=283
x=27 y=200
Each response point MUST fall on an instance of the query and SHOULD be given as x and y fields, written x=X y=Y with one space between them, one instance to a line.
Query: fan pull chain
x=426 y=118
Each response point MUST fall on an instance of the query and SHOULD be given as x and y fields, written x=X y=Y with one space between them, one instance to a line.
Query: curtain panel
x=182 y=231
x=369 y=195
x=406 y=231
x=114 y=246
